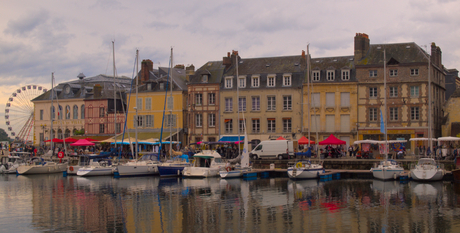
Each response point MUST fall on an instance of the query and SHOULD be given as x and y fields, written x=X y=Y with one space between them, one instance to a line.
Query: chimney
x=361 y=46
x=179 y=66
x=189 y=71
x=146 y=67
x=226 y=61
x=436 y=55
x=97 y=91
x=303 y=54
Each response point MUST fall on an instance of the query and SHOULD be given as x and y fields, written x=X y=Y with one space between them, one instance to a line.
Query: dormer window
x=162 y=86
x=241 y=82
x=149 y=86
x=287 y=80
x=270 y=81
x=204 y=78
x=315 y=75
x=345 y=75
x=330 y=75
x=228 y=82
x=255 y=81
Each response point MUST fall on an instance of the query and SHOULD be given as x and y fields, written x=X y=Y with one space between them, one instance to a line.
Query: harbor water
x=53 y=203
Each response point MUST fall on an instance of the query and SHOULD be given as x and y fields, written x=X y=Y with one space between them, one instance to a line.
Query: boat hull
x=427 y=174
x=170 y=170
x=231 y=174
x=40 y=169
x=304 y=173
x=95 y=171
x=200 y=172
x=386 y=173
x=137 y=169
x=72 y=170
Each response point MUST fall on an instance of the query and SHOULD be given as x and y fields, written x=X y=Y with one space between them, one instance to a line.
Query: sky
x=70 y=37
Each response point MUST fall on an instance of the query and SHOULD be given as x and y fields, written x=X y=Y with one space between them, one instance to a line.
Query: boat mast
x=137 y=101
x=114 y=97
x=385 y=102
x=170 y=101
x=309 y=94
x=238 y=99
x=53 y=114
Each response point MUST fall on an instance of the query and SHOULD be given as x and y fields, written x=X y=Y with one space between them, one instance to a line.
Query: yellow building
x=332 y=107
x=451 y=126
x=151 y=102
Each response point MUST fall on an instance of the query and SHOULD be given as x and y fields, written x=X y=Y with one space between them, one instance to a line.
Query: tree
x=4 y=136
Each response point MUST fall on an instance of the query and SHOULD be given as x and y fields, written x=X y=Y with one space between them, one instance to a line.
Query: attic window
x=296 y=64
x=162 y=86
x=317 y=61
x=204 y=78
x=267 y=65
x=149 y=86
x=379 y=47
x=408 y=47
x=334 y=60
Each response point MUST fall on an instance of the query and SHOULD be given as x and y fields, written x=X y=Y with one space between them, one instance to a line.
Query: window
x=271 y=126
x=53 y=113
x=414 y=113
x=345 y=75
x=330 y=75
x=287 y=125
x=271 y=81
x=393 y=73
x=271 y=103
x=242 y=104
x=198 y=99
x=204 y=78
x=315 y=75
x=118 y=128
x=212 y=120
x=255 y=103
x=330 y=99
x=373 y=114
x=199 y=120
x=148 y=120
x=255 y=82
x=162 y=86
x=414 y=91
x=228 y=126
x=330 y=123
x=287 y=102
x=287 y=80
x=372 y=92
x=101 y=112
x=345 y=123
x=345 y=99
x=67 y=112
x=393 y=114
x=256 y=125
x=148 y=103
x=60 y=112
x=372 y=73
x=139 y=121
x=75 y=112
x=241 y=124
x=393 y=91
x=170 y=120
x=228 y=83
x=228 y=104
x=241 y=82
x=139 y=104
x=413 y=72
x=41 y=114
x=101 y=128
x=315 y=101
x=212 y=98
x=149 y=86
x=170 y=102
x=82 y=112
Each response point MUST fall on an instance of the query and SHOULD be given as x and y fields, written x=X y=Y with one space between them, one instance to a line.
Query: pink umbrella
x=82 y=142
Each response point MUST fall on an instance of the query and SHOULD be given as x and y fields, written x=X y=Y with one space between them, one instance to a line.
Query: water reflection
x=151 y=204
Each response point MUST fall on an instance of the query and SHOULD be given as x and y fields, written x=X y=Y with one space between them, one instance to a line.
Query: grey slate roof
x=214 y=70
x=178 y=79
x=323 y=64
x=403 y=53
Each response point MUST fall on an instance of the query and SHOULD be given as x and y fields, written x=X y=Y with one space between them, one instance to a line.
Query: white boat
x=387 y=170
x=207 y=164
x=76 y=164
x=40 y=166
x=173 y=167
x=10 y=164
x=427 y=169
x=304 y=169
x=146 y=165
x=97 y=168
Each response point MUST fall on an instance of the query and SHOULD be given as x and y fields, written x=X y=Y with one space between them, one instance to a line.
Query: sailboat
x=427 y=169
x=147 y=165
x=386 y=169
x=304 y=169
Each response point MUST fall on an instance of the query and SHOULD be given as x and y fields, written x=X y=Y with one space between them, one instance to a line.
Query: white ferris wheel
x=19 y=112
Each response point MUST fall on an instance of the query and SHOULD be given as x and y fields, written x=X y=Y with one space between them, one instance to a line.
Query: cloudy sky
x=69 y=37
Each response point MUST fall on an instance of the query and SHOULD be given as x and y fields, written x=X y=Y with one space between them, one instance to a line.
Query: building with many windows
x=408 y=72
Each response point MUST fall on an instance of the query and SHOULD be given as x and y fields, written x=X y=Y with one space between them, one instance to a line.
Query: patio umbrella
x=281 y=138
x=91 y=140
x=304 y=140
x=55 y=140
x=332 y=140
x=70 y=140
x=82 y=142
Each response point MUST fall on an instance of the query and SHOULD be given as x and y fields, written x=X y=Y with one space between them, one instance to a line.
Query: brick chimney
x=146 y=67
x=436 y=55
x=189 y=71
x=303 y=54
x=361 y=46
x=97 y=91
x=226 y=61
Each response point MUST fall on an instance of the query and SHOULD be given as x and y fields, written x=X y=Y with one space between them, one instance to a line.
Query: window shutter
x=345 y=123
x=330 y=99
x=345 y=99
x=330 y=123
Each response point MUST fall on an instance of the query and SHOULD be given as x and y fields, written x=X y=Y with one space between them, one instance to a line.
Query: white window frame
x=345 y=75
x=256 y=125
x=271 y=126
x=228 y=126
x=271 y=81
x=394 y=116
x=373 y=92
x=170 y=120
x=242 y=82
x=415 y=113
x=198 y=99
x=271 y=103
x=228 y=104
x=393 y=72
x=199 y=120
x=414 y=89
x=212 y=98
x=241 y=123
x=414 y=72
x=255 y=100
x=287 y=80
x=148 y=119
x=287 y=102
x=287 y=125
x=139 y=103
x=373 y=114
x=148 y=103
x=212 y=120
x=372 y=73
x=228 y=82
x=330 y=75
x=255 y=81
x=242 y=104
x=393 y=92
x=316 y=75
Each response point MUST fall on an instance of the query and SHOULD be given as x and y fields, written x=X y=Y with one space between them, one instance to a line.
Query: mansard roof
x=402 y=53
x=214 y=70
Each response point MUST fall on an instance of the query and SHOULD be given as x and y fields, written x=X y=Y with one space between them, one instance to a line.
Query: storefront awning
x=230 y=139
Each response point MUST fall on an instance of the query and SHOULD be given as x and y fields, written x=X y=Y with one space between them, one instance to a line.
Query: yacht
x=304 y=169
x=97 y=167
x=427 y=169
x=173 y=167
x=40 y=166
x=9 y=164
x=207 y=163
x=146 y=165
x=387 y=170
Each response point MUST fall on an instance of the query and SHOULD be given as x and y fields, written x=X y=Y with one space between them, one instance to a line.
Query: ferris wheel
x=19 y=112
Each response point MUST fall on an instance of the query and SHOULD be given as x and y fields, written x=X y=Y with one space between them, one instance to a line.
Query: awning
x=230 y=139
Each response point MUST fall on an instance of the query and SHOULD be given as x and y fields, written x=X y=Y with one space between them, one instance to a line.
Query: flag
x=382 y=125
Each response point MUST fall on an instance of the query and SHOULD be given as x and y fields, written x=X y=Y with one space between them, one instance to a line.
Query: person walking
x=350 y=150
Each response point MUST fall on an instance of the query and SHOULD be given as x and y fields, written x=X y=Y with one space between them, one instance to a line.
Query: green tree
x=4 y=135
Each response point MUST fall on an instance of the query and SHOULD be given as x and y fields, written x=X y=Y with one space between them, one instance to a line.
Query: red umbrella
x=70 y=140
x=82 y=142
x=331 y=140
x=56 y=140
x=304 y=140
x=91 y=140
x=281 y=138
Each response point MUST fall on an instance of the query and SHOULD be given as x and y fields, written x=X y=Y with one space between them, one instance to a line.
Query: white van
x=271 y=149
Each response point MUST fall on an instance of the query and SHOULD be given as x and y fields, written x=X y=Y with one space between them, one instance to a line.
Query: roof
x=402 y=53
x=178 y=80
x=323 y=64
x=214 y=70
x=269 y=65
